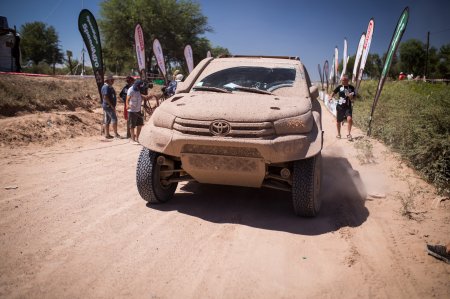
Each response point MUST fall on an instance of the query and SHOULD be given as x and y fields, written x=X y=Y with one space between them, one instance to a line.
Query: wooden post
x=426 y=61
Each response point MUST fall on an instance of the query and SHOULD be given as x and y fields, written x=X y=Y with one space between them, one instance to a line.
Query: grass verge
x=413 y=119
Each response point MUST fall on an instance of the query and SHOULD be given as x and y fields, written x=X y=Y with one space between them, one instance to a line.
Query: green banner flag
x=395 y=41
x=91 y=37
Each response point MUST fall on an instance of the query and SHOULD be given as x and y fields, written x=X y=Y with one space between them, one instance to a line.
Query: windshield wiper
x=251 y=89
x=280 y=86
x=211 y=88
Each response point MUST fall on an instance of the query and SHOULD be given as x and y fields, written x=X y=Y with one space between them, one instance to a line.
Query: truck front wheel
x=306 y=180
x=148 y=179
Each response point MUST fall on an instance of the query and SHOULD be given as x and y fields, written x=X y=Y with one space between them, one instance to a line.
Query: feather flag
x=395 y=41
x=157 y=51
x=344 y=59
x=358 y=56
x=87 y=25
x=189 y=58
x=365 y=53
x=140 y=49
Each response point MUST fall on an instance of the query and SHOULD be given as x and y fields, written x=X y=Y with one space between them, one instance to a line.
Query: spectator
x=134 y=105
x=123 y=96
x=401 y=76
x=109 y=102
x=172 y=85
x=179 y=78
x=175 y=73
x=154 y=72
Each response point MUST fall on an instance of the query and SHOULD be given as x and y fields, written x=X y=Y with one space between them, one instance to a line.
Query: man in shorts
x=134 y=103
x=344 y=106
x=123 y=96
x=109 y=102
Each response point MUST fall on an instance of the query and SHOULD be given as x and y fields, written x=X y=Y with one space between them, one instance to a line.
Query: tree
x=372 y=69
x=373 y=66
x=433 y=64
x=443 y=65
x=412 y=56
x=174 y=23
x=218 y=51
x=40 y=43
x=350 y=65
x=394 y=70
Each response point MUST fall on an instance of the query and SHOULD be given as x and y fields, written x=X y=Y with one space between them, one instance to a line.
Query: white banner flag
x=189 y=58
x=358 y=56
x=157 y=50
x=140 y=47
x=365 y=52
x=336 y=64
x=344 y=59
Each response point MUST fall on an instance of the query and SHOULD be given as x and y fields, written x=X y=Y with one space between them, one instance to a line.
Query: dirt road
x=72 y=225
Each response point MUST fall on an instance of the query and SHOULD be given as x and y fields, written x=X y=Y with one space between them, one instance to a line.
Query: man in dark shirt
x=344 y=106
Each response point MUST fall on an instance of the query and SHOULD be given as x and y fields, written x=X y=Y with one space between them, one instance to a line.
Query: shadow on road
x=343 y=197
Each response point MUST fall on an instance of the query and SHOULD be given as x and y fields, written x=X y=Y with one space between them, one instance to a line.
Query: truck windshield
x=259 y=78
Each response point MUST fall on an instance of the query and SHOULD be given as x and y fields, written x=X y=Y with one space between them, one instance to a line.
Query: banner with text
x=87 y=25
x=358 y=56
x=395 y=41
x=140 y=49
x=344 y=59
x=336 y=65
x=189 y=58
x=157 y=50
x=326 y=71
x=365 y=52
x=320 y=75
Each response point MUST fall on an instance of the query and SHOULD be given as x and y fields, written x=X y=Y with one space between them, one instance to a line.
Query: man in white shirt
x=134 y=103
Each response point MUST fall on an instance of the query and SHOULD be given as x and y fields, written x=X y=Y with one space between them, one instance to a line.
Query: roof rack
x=261 y=56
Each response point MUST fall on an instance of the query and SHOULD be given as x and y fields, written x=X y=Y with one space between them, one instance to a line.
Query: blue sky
x=308 y=29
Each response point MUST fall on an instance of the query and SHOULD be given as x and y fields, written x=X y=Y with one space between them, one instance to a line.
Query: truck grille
x=221 y=150
x=261 y=130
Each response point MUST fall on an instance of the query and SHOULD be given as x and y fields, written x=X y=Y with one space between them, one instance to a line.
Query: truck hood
x=239 y=106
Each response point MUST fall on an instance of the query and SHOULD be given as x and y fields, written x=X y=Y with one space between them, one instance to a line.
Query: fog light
x=285 y=173
x=160 y=160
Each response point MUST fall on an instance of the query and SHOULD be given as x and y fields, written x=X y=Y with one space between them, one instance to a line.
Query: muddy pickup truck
x=250 y=121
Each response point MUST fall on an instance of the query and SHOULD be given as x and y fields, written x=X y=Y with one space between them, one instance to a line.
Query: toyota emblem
x=220 y=128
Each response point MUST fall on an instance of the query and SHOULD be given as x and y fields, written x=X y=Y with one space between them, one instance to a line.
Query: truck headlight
x=162 y=119
x=294 y=125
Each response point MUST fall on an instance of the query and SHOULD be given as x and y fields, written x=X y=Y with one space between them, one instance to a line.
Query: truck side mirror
x=314 y=92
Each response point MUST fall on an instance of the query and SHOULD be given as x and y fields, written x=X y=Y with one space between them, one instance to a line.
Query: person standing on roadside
x=134 y=104
x=123 y=96
x=109 y=102
x=344 y=106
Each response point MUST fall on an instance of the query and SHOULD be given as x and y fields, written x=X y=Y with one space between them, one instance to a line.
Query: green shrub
x=412 y=118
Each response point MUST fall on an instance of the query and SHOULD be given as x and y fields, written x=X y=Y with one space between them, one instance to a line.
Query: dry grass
x=22 y=94
x=47 y=109
x=365 y=151
x=413 y=119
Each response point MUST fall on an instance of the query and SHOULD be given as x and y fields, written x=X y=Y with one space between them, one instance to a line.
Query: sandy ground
x=72 y=225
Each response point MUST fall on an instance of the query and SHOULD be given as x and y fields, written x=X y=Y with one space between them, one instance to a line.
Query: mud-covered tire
x=306 y=181
x=148 y=179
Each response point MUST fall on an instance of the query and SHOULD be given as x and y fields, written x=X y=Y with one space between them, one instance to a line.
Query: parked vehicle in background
x=9 y=48
x=250 y=121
